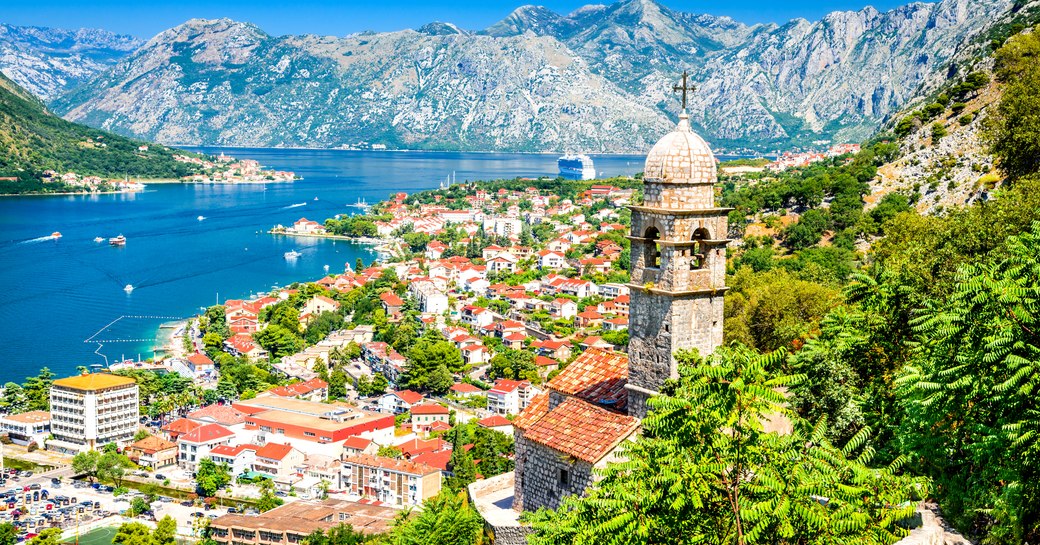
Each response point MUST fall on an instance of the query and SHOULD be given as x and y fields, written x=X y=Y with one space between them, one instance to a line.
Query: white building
x=431 y=300
x=89 y=411
x=27 y=427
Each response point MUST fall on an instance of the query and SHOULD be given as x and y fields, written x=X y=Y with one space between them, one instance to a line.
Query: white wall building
x=92 y=410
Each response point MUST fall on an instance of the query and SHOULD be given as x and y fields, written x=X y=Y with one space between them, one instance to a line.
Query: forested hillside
x=33 y=140
x=908 y=345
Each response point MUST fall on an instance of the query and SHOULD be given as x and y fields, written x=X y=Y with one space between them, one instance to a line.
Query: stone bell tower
x=678 y=261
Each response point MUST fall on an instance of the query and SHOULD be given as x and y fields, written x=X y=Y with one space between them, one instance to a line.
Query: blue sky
x=144 y=18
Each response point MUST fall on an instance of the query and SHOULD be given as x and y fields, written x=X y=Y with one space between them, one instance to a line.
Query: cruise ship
x=576 y=167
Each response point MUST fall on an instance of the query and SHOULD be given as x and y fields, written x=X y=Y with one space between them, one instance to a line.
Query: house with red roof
x=152 y=452
x=414 y=447
x=314 y=389
x=615 y=324
x=200 y=364
x=588 y=318
x=424 y=415
x=304 y=226
x=239 y=458
x=277 y=460
x=195 y=445
x=399 y=402
x=563 y=308
x=392 y=305
x=476 y=316
x=316 y=305
x=359 y=445
x=549 y=259
x=476 y=354
x=497 y=423
x=225 y=415
x=243 y=344
x=397 y=483
x=435 y=249
x=179 y=427
x=463 y=389
x=510 y=396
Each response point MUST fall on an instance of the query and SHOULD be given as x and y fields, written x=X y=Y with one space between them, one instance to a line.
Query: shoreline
x=359 y=240
x=161 y=181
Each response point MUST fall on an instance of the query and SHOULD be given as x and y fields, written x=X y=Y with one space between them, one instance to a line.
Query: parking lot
x=35 y=501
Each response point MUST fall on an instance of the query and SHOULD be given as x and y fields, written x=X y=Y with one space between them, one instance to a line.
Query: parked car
x=160 y=477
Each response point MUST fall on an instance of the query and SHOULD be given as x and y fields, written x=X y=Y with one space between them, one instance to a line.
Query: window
x=651 y=248
x=309 y=433
x=699 y=248
x=565 y=477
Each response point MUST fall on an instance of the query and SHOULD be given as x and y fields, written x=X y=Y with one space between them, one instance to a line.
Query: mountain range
x=596 y=80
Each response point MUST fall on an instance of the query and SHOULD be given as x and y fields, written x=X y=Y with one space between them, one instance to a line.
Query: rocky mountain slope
x=49 y=61
x=596 y=80
x=955 y=168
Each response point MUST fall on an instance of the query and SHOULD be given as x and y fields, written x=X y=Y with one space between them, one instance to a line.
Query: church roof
x=597 y=376
x=582 y=430
x=681 y=156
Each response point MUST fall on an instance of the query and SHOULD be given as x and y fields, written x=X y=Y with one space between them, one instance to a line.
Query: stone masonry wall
x=540 y=467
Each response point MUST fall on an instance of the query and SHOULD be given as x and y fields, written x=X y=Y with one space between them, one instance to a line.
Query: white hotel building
x=92 y=410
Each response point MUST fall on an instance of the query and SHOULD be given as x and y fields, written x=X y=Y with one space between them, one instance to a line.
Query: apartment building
x=92 y=410
x=396 y=483
x=27 y=427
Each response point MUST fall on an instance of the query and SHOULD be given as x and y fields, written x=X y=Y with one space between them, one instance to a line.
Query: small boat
x=292 y=254
x=200 y=218
x=99 y=239
x=55 y=235
x=315 y=198
x=117 y=241
x=326 y=268
x=128 y=288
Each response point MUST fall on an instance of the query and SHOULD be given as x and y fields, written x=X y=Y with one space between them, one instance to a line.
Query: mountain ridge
x=597 y=79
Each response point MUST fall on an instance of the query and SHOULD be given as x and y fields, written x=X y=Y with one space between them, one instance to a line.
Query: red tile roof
x=596 y=376
x=409 y=396
x=391 y=299
x=199 y=359
x=429 y=408
x=299 y=388
x=415 y=447
x=274 y=451
x=382 y=462
x=180 y=426
x=495 y=421
x=355 y=442
x=232 y=451
x=465 y=388
x=582 y=430
x=536 y=408
x=438 y=460
x=221 y=414
x=206 y=433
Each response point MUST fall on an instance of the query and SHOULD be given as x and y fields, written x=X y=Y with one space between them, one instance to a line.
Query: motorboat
x=99 y=240
x=55 y=235
x=128 y=288
x=200 y=218
x=292 y=254
x=117 y=241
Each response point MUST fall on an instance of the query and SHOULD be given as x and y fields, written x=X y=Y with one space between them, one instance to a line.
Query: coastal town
x=355 y=392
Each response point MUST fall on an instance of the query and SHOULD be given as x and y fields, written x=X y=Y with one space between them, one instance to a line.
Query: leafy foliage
x=445 y=519
x=707 y=470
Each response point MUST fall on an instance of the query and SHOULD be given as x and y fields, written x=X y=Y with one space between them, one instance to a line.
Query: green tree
x=972 y=412
x=706 y=470
x=133 y=533
x=165 y=531
x=86 y=463
x=48 y=536
x=342 y=534
x=278 y=340
x=268 y=499
x=463 y=470
x=113 y=466
x=211 y=477
x=8 y=534
x=445 y=519
x=512 y=364
x=430 y=364
x=1013 y=129
x=139 y=505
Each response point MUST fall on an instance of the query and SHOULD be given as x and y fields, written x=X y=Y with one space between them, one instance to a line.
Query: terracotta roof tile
x=582 y=430
x=538 y=406
x=597 y=376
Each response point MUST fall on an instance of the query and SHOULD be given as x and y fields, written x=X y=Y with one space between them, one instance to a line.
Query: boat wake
x=37 y=239
x=297 y=205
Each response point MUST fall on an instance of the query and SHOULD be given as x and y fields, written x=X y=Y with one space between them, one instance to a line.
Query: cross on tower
x=684 y=88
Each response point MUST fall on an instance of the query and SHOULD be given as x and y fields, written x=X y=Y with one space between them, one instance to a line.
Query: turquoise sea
x=63 y=304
